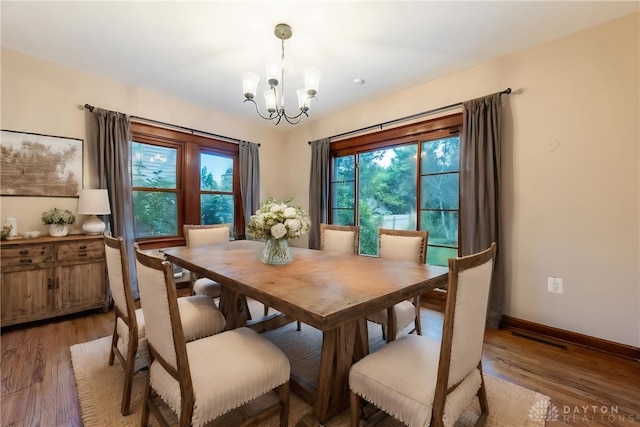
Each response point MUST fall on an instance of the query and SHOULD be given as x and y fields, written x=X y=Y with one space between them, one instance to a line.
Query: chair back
x=466 y=313
x=404 y=245
x=118 y=272
x=160 y=308
x=211 y=234
x=340 y=238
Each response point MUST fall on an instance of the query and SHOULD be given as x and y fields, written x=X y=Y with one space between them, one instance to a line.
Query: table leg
x=234 y=308
x=332 y=393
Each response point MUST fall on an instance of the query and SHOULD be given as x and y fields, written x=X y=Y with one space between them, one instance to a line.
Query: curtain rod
x=236 y=140
x=405 y=118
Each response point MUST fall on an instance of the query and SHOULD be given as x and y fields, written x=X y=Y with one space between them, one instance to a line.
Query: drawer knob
x=26 y=260
x=24 y=252
x=83 y=246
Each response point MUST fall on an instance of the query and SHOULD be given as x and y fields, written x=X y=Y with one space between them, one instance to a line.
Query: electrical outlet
x=554 y=284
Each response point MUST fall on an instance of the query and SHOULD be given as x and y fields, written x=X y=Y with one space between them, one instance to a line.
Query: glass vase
x=276 y=252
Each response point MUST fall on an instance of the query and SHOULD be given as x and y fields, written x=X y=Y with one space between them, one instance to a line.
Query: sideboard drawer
x=78 y=251
x=26 y=255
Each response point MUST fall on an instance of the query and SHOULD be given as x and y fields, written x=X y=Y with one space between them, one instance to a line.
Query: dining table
x=329 y=291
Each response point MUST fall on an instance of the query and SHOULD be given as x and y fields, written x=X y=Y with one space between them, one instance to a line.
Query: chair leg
x=283 y=395
x=418 y=317
x=114 y=343
x=144 y=421
x=299 y=326
x=482 y=396
x=128 y=373
x=354 y=410
x=384 y=334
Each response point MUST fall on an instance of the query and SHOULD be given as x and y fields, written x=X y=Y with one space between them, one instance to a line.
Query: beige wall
x=570 y=211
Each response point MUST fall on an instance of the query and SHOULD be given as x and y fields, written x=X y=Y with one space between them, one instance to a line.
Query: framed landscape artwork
x=39 y=165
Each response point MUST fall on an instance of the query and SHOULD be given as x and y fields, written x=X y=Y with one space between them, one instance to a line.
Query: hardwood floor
x=587 y=387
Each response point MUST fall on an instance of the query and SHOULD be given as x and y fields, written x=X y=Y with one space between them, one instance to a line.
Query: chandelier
x=274 y=96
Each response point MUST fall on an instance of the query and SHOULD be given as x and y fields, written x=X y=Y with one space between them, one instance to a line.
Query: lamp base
x=93 y=225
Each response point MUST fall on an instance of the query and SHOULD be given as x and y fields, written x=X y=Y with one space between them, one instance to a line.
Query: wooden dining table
x=329 y=291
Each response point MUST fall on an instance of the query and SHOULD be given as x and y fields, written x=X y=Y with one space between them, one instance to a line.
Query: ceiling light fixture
x=274 y=97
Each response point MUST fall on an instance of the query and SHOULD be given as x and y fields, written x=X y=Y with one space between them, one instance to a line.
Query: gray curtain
x=110 y=134
x=480 y=219
x=319 y=189
x=249 y=179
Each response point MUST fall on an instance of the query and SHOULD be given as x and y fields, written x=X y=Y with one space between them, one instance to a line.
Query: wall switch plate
x=554 y=284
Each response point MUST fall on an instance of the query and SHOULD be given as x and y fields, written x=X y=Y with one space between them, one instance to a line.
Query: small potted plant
x=58 y=221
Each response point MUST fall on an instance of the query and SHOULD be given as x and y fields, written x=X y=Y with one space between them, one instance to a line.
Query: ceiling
x=196 y=51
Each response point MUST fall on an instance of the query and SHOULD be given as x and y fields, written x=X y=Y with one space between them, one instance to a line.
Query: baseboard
x=611 y=347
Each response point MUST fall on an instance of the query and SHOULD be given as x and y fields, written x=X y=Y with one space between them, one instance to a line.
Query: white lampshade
x=250 y=84
x=94 y=202
x=311 y=80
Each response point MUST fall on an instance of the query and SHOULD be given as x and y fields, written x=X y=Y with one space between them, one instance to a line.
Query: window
x=377 y=181
x=179 y=178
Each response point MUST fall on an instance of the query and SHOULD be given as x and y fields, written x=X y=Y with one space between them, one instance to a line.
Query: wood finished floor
x=588 y=388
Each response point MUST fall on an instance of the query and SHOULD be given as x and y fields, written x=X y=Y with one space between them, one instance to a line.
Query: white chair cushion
x=405 y=315
x=208 y=287
x=402 y=248
x=200 y=317
x=400 y=379
x=208 y=236
x=339 y=241
x=227 y=370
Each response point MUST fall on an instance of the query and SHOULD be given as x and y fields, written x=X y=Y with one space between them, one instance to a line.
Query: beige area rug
x=100 y=387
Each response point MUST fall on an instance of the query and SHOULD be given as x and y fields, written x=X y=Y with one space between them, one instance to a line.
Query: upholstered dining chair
x=340 y=238
x=421 y=381
x=200 y=318
x=406 y=245
x=203 y=379
x=199 y=235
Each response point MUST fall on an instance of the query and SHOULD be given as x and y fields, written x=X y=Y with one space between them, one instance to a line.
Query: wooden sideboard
x=51 y=276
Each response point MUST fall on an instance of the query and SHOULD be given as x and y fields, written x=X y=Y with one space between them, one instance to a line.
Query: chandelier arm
x=270 y=117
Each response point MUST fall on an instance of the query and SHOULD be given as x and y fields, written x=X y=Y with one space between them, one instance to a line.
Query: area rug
x=100 y=388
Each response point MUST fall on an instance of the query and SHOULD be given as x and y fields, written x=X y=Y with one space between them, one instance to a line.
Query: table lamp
x=93 y=202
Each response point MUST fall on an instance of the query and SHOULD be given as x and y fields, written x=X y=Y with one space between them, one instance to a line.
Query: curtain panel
x=249 y=180
x=110 y=134
x=319 y=188
x=480 y=172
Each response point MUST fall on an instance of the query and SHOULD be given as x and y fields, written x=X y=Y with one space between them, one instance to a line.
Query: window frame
x=414 y=133
x=188 y=170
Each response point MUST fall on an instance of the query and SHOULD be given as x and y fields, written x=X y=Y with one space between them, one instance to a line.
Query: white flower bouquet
x=278 y=221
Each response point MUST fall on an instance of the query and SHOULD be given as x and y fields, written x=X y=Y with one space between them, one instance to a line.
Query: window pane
x=343 y=216
x=155 y=213
x=387 y=193
x=343 y=195
x=441 y=155
x=440 y=191
x=344 y=168
x=217 y=209
x=439 y=256
x=153 y=166
x=216 y=173
x=442 y=227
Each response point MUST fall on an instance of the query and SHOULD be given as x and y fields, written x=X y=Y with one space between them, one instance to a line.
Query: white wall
x=572 y=212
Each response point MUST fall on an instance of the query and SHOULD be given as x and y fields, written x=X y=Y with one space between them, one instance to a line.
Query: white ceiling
x=196 y=51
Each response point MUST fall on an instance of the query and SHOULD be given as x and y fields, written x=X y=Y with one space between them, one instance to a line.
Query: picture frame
x=33 y=165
